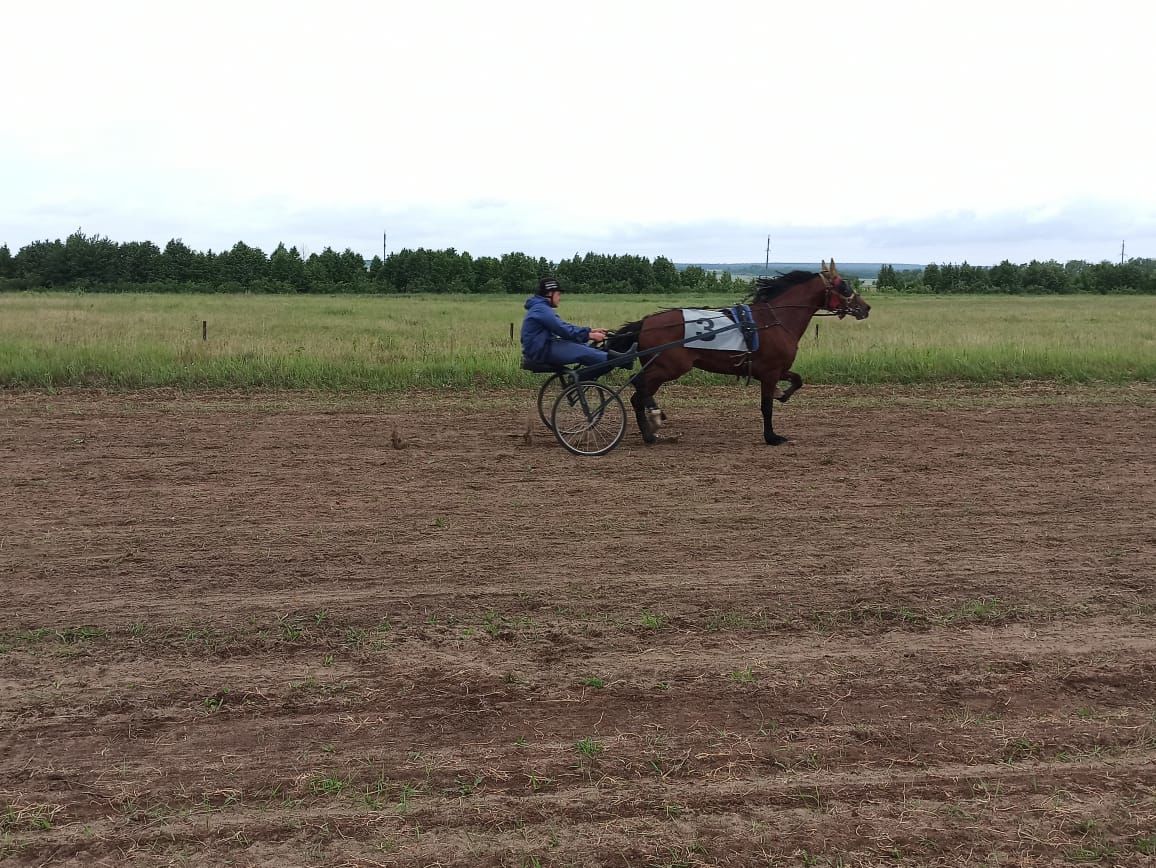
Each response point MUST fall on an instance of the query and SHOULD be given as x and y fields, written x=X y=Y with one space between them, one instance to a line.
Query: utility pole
x=767 y=265
x=384 y=246
x=1121 y=252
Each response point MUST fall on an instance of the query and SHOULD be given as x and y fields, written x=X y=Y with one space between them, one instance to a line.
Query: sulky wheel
x=589 y=418
x=549 y=393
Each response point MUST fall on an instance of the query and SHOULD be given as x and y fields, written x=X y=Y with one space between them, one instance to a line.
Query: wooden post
x=204 y=329
x=816 y=331
x=511 y=332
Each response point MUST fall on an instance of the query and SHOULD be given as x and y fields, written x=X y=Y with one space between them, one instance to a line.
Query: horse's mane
x=767 y=288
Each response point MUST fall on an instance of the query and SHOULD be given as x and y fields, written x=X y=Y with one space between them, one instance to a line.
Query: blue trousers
x=571 y=353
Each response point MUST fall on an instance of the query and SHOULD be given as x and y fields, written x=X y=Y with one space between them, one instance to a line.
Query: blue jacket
x=543 y=325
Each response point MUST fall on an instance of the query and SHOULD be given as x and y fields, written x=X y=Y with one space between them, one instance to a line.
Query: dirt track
x=249 y=631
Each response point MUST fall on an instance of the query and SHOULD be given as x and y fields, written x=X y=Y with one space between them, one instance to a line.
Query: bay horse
x=781 y=308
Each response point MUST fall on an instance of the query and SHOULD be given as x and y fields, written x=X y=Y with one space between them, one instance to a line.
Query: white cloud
x=613 y=126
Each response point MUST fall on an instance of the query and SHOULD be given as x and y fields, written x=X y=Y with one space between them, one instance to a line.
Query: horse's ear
x=833 y=271
x=823 y=266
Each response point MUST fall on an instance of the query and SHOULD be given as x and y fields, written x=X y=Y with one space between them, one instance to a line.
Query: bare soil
x=243 y=629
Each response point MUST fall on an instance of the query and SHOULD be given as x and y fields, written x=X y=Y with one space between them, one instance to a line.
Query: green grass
x=389 y=343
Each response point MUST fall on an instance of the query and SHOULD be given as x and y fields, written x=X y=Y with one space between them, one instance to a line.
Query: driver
x=549 y=339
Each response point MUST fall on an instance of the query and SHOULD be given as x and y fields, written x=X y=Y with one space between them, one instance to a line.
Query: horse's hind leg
x=643 y=403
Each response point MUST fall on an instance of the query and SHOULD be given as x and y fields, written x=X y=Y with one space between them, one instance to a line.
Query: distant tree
x=244 y=264
x=178 y=262
x=140 y=262
x=488 y=275
x=7 y=265
x=91 y=259
x=1005 y=277
x=665 y=274
x=519 y=273
x=42 y=263
x=288 y=268
x=692 y=277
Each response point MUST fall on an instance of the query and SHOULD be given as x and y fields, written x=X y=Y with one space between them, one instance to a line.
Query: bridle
x=835 y=293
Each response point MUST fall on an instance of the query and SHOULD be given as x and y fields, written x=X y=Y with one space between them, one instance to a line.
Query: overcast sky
x=868 y=131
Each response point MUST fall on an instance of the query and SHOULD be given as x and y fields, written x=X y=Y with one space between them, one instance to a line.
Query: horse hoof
x=775 y=440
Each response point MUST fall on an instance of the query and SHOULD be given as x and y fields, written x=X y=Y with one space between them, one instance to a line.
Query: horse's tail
x=624 y=336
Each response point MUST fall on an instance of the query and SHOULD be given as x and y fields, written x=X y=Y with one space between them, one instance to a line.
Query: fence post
x=204 y=329
x=511 y=332
x=816 y=332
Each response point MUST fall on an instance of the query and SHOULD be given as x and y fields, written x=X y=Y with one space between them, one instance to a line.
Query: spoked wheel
x=553 y=387
x=588 y=418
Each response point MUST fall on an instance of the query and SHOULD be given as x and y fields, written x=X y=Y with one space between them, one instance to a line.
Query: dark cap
x=548 y=285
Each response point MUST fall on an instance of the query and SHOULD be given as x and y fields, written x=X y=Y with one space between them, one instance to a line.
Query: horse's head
x=842 y=299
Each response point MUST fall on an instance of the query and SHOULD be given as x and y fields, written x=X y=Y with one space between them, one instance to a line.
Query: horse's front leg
x=768 y=408
x=796 y=383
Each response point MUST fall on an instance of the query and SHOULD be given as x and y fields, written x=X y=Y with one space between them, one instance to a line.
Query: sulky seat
x=542 y=367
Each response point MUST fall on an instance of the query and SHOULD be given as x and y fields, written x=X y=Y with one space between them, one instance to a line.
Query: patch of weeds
x=743 y=676
x=28 y=818
x=984 y=610
x=289 y=629
x=326 y=785
x=1084 y=827
x=685 y=856
x=1095 y=852
x=1146 y=845
x=309 y=683
x=466 y=786
x=138 y=629
x=376 y=792
x=662 y=685
x=672 y=811
x=440 y=522
x=859 y=615
x=720 y=621
x=589 y=747
x=1019 y=749
x=520 y=741
x=355 y=638
x=594 y=681
x=497 y=626
x=37 y=634
x=216 y=702
x=408 y=791
x=539 y=782
x=956 y=812
x=654 y=620
x=966 y=717
x=810 y=798
x=1079 y=755
x=74 y=635
x=327 y=660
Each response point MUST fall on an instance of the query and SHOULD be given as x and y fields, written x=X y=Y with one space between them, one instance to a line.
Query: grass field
x=51 y=340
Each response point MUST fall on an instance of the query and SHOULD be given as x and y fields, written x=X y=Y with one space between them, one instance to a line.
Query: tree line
x=1033 y=278
x=93 y=263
